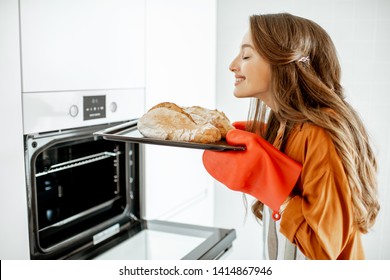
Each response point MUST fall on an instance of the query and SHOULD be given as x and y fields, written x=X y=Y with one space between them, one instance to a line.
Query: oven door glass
x=162 y=240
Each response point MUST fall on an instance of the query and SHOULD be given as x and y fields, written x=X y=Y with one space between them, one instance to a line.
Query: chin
x=240 y=95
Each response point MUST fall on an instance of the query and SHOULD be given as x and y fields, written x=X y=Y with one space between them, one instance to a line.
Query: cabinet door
x=82 y=44
x=180 y=53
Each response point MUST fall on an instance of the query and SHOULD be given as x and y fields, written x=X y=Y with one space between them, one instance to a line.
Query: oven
x=86 y=194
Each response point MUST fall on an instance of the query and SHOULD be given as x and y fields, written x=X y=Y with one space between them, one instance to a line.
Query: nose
x=234 y=65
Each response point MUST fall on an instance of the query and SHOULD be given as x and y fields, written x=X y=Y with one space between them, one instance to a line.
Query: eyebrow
x=243 y=46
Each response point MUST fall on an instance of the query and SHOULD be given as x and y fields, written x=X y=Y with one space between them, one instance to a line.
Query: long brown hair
x=306 y=88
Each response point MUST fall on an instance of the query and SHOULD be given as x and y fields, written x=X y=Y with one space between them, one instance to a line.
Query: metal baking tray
x=128 y=132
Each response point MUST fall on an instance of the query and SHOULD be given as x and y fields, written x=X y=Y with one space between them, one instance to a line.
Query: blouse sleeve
x=319 y=220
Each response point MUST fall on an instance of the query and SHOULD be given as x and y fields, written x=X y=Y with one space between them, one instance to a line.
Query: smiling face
x=252 y=73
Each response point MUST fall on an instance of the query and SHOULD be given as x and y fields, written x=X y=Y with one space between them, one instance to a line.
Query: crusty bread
x=218 y=119
x=169 y=121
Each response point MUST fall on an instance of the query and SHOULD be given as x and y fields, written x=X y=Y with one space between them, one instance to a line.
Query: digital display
x=94 y=107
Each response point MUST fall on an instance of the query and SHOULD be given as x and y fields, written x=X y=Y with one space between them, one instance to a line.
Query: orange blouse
x=319 y=219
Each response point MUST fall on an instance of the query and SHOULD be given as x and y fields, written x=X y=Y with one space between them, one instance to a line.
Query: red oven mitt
x=240 y=125
x=261 y=170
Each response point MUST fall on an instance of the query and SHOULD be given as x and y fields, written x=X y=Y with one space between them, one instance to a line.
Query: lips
x=238 y=79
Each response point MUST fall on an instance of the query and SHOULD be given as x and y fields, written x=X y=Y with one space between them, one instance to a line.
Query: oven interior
x=79 y=184
x=78 y=180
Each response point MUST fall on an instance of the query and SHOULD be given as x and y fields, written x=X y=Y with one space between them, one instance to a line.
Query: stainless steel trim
x=116 y=165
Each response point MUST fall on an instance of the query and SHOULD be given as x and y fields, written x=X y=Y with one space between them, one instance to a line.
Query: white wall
x=361 y=32
x=13 y=201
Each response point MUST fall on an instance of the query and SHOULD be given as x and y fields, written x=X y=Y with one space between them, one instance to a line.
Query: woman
x=319 y=178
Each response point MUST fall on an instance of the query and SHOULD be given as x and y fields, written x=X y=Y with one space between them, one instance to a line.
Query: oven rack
x=78 y=162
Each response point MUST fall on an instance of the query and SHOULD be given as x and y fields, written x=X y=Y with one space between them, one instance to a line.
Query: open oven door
x=161 y=240
x=85 y=199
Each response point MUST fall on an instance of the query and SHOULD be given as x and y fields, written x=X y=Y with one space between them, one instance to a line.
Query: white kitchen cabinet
x=180 y=68
x=82 y=45
x=14 y=239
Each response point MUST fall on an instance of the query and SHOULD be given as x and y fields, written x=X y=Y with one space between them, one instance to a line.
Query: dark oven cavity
x=81 y=190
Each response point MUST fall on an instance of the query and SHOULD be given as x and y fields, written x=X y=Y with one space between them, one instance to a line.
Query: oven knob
x=113 y=107
x=74 y=111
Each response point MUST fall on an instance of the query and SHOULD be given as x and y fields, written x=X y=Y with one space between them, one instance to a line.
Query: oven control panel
x=48 y=111
x=94 y=107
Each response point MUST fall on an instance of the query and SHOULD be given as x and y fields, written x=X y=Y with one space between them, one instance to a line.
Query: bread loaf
x=169 y=121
